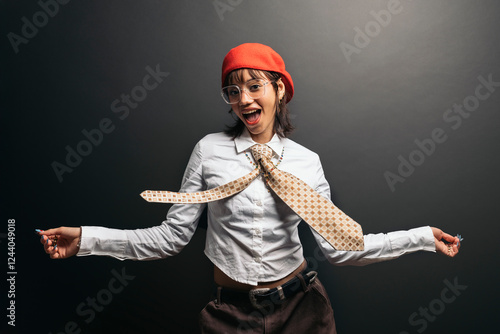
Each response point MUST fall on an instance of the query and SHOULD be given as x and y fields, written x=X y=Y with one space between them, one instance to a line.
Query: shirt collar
x=245 y=141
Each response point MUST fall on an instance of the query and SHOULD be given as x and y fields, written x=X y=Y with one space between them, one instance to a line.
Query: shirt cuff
x=416 y=239
x=96 y=240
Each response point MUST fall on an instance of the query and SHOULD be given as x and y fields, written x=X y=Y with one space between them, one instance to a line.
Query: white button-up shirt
x=252 y=236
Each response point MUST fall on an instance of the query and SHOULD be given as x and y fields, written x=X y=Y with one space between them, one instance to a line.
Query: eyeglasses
x=255 y=88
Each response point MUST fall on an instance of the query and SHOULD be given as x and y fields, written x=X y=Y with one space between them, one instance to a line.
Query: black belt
x=259 y=297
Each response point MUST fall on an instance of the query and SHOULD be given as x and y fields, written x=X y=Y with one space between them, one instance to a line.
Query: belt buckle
x=253 y=293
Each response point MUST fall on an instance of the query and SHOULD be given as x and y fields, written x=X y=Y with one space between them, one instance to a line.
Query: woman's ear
x=281 y=89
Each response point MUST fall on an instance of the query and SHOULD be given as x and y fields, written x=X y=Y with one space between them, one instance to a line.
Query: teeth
x=250 y=112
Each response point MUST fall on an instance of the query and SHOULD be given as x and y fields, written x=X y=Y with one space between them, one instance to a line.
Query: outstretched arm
x=387 y=246
x=151 y=243
x=61 y=242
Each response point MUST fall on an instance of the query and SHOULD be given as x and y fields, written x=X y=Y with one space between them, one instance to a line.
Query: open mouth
x=252 y=116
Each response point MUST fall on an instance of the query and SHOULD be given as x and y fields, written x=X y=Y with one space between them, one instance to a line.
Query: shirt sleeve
x=378 y=247
x=157 y=242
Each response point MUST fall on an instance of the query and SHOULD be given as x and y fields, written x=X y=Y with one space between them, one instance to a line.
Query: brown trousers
x=308 y=311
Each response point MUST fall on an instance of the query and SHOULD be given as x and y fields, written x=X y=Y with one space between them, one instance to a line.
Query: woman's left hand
x=445 y=243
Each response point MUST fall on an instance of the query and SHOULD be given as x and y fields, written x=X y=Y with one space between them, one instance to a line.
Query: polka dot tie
x=338 y=229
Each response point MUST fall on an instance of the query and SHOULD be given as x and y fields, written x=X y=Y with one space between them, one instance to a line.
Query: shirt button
x=258 y=259
x=257 y=231
x=259 y=203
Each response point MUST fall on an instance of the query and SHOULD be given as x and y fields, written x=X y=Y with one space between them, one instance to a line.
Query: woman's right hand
x=61 y=242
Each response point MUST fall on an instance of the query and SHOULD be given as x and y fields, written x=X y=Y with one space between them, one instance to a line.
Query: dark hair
x=282 y=124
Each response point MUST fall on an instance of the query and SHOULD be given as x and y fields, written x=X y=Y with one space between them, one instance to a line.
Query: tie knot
x=261 y=150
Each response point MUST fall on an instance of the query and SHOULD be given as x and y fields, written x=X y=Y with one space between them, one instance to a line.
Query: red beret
x=260 y=57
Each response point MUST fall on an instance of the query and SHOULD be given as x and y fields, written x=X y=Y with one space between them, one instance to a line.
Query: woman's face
x=258 y=114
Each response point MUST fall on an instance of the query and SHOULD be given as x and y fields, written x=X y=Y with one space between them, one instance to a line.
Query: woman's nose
x=245 y=98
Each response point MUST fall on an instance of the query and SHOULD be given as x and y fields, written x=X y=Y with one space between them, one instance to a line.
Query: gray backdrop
x=400 y=100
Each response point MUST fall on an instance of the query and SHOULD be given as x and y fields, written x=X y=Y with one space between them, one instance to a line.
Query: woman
x=252 y=237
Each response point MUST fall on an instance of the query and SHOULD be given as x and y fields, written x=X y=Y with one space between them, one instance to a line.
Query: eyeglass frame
x=242 y=90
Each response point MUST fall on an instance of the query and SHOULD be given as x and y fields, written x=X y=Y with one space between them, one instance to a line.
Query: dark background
x=358 y=115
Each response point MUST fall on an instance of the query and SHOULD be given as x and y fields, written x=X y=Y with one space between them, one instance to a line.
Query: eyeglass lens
x=254 y=88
